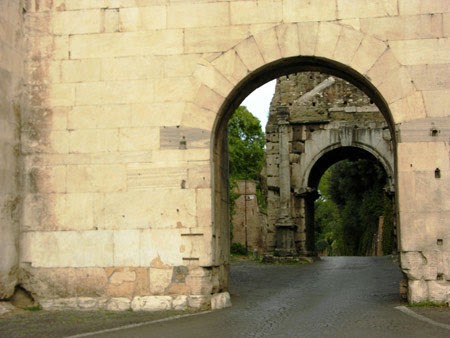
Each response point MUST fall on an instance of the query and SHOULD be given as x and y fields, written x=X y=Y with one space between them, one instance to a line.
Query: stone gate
x=113 y=117
x=324 y=120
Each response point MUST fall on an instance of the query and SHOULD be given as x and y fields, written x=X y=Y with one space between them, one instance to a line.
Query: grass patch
x=32 y=308
x=428 y=304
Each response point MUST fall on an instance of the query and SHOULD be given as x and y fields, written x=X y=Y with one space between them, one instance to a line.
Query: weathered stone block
x=117 y=92
x=213 y=79
x=430 y=77
x=104 y=116
x=118 y=277
x=213 y=39
x=93 y=140
x=403 y=28
x=179 y=137
x=220 y=301
x=435 y=101
x=144 y=176
x=208 y=15
x=307 y=35
x=154 y=250
x=111 y=20
x=366 y=8
x=81 y=70
x=118 y=304
x=267 y=41
x=67 y=248
x=180 y=303
x=367 y=54
x=126 y=247
x=347 y=44
x=412 y=7
x=327 y=38
x=88 y=303
x=160 y=279
x=439 y=291
x=154 y=42
x=96 y=178
x=250 y=54
x=157 y=114
x=199 y=302
x=250 y=12
x=151 y=303
x=321 y=10
x=421 y=51
x=142 y=18
x=130 y=68
x=199 y=176
x=6 y=307
x=231 y=65
x=148 y=209
x=208 y=98
x=137 y=139
x=60 y=304
x=417 y=291
x=288 y=42
x=196 y=116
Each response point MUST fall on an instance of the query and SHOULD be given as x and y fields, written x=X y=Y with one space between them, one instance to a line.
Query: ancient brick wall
x=123 y=133
x=11 y=82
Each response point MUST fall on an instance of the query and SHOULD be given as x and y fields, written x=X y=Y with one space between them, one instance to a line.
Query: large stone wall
x=123 y=133
x=11 y=81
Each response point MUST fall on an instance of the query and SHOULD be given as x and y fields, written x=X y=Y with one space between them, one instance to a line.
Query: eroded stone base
x=140 y=303
x=428 y=275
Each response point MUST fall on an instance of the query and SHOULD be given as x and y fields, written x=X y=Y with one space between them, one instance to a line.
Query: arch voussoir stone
x=267 y=42
x=214 y=79
x=327 y=37
x=287 y=35
x=250 y=54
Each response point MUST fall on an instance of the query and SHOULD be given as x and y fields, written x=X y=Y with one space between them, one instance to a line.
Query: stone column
x=285 y=227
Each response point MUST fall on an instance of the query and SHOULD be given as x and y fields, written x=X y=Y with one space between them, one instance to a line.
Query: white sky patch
x=258 y=102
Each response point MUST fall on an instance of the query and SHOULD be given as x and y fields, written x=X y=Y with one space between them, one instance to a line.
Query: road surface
x=334 y=297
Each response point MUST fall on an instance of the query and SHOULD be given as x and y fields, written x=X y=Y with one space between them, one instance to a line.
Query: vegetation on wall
x=347 y=213
x=246 y=151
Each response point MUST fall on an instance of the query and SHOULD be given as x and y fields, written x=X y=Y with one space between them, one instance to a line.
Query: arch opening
x=359 y=221
x=255 y=79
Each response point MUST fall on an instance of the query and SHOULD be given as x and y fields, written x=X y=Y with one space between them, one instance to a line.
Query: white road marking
x=130 y=326
x=411 y=313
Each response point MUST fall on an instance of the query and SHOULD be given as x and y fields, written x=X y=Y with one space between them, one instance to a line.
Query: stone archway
x=226 y=79
x=327 y=158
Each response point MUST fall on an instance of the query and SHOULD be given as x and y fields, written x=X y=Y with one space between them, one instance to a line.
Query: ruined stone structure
x=113 y=117
x=324 y=120
x=249 y=223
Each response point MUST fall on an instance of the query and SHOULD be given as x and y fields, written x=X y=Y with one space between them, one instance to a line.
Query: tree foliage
x=246 y=142
x=348 y=212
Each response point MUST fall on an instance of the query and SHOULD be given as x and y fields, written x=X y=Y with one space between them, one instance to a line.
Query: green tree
x=352 y=201
x=246 y=143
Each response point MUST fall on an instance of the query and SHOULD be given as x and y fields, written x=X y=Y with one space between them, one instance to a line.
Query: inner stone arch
x=327 y=158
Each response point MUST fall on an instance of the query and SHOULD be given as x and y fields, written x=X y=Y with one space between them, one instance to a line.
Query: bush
x=238 y=249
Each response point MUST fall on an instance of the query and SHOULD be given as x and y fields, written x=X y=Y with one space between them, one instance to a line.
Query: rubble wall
x=11 y=81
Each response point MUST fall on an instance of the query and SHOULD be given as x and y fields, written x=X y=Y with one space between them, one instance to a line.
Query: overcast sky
x=258 y=102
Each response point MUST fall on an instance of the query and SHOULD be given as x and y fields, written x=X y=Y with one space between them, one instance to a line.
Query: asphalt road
x=335 y=297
